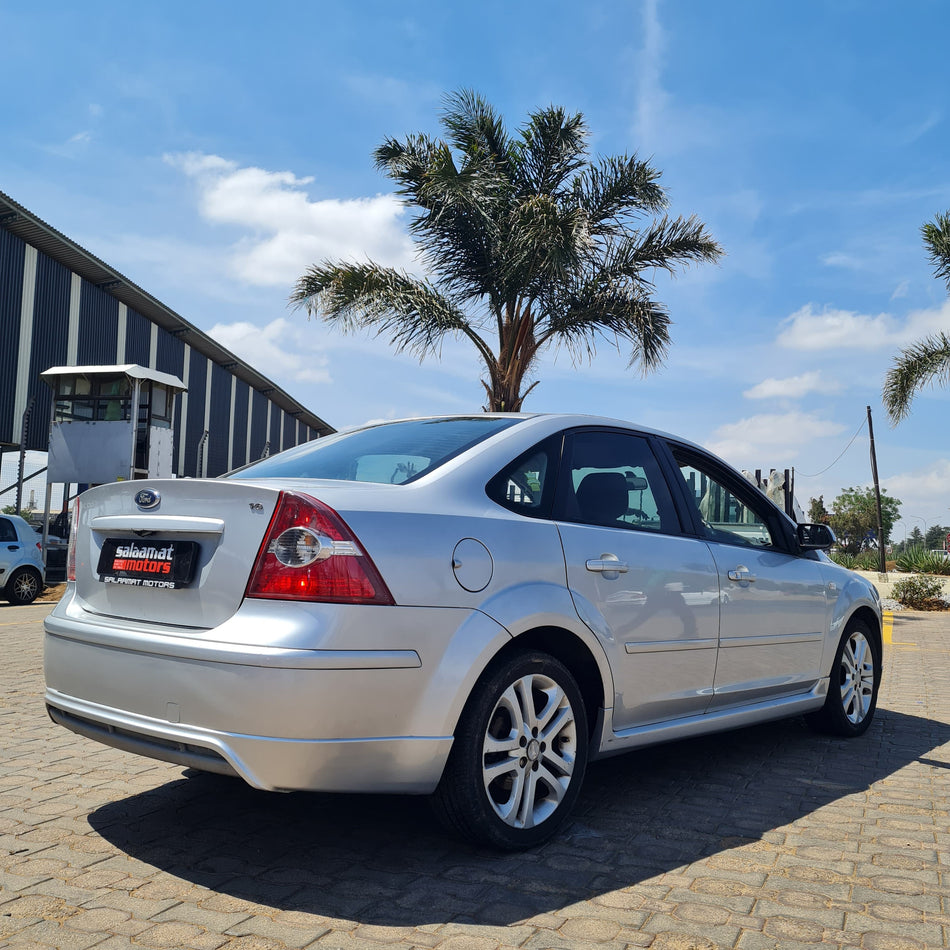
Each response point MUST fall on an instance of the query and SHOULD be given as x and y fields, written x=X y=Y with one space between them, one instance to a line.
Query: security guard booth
x=111 y=423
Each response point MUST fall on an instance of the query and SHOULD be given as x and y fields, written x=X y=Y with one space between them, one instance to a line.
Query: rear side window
x=612 y=479
x=394 y=453
x=527 y=485
x=7 y=531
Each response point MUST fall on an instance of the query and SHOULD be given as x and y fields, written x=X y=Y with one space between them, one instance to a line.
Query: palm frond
x=617 y=313
x=936 y=235
x=412 y=313
x=553 y=147
x=667 y=244
x=924 y=362
x=617 y=187
x=475 y=129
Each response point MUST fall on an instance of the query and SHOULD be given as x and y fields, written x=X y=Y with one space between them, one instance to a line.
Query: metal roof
x=24 y=224
x=128 y=369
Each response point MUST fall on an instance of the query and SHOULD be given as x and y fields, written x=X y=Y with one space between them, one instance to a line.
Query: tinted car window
x=396 y=453
x=527 y=484
x=7 y=531
x=728 y=513
x=613 y=479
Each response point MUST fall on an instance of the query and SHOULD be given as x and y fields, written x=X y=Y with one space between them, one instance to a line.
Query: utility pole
x=882 y=567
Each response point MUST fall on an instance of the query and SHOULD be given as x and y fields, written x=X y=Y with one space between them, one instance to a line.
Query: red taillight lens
x=310 y=554
x=71 y=550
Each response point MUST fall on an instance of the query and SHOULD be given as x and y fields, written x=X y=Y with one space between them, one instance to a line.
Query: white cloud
x=901 y=290
x=808 y=329
x=770 y=439
x=279 y=349
x=792 y=387
x=652 y=99
x=290 y=231
x=847 y=261
x=923 y=493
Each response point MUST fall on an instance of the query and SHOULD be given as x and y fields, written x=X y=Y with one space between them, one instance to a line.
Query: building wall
x=50 y=316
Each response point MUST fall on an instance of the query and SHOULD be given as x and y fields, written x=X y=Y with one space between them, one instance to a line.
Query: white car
x=469 y=607
x=21 y=560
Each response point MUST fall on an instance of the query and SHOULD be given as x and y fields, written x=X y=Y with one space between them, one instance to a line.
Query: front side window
x=726 y=512
x=612 y=479
x=394 y=453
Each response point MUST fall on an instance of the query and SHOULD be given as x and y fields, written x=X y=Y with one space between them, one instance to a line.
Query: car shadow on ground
x=382 y=859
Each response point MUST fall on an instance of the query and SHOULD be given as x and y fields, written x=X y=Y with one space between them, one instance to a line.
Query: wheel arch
x=570 y=650
x=873 y=622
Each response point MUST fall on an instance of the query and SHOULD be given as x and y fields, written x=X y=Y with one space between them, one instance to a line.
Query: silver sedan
x=467 y=607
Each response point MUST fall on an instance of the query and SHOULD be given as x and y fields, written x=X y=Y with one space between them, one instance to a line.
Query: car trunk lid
x=177 y=551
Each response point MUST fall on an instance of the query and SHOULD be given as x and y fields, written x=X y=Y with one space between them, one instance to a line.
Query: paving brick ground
x=766 y=838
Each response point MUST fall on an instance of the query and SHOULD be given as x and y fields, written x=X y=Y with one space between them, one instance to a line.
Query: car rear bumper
x=369 y=707
x=405 y=764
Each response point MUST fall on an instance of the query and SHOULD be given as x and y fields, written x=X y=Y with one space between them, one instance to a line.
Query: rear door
x=649 y=592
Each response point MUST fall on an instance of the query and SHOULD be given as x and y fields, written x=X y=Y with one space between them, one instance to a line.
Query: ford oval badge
x=146 y=498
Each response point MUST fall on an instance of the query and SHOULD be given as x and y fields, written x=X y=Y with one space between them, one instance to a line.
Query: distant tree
x=916 y=538
x=854 y=518
x=936 y=537
x=817 y=512
x=926 y=360
x=530 y=245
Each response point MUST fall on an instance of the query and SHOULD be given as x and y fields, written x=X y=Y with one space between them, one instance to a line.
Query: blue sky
x=210 y=151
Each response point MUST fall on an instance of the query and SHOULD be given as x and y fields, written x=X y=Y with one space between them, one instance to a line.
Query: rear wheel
x=24 y=586
x=852 y=689
x=519 y=755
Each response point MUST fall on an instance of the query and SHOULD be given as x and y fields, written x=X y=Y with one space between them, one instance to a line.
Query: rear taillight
x=310 y=554
x=71 y=550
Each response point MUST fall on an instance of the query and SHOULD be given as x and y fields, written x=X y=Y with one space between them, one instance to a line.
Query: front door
x=774 y=605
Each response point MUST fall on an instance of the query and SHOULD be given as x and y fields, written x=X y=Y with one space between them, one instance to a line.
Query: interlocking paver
x=769 y=838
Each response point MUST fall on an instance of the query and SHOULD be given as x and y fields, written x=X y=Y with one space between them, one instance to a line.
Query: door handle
x=607 y=564
x=741 y=574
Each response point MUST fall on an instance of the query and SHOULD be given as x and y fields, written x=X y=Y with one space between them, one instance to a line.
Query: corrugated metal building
x=60 y=305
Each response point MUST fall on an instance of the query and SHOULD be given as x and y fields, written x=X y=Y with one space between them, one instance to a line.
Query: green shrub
x=850 y=561
x=921 y=561
x=867 y=561
x=919 y=592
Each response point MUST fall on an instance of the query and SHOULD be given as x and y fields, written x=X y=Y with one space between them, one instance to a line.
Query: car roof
x=564 y=420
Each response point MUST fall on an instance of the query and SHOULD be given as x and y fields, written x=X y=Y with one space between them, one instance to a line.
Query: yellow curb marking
x=888 y=631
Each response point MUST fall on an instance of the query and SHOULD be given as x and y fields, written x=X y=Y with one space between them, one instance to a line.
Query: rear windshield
x=394 y=453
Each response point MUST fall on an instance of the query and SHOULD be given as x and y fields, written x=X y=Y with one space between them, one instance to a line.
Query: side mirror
x=815 y=537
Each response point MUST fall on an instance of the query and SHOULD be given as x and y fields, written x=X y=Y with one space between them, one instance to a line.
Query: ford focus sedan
x=468 y=607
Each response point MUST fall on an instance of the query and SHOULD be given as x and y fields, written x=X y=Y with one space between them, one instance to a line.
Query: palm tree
x=528 y=244
x=926 y=360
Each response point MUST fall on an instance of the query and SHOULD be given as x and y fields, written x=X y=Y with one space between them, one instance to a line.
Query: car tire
x=519 y=755
x=24 y=586
x=853 y=685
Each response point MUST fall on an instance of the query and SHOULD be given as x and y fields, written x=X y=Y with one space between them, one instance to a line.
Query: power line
x=835 y=462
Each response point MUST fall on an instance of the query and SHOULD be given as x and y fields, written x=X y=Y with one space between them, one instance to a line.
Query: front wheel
x=519 y=755
x=24 y=586
x=852 y=689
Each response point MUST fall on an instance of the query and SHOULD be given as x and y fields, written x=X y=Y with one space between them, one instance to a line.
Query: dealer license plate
x=160 y=564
